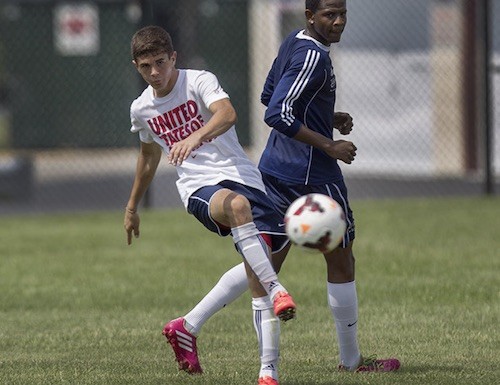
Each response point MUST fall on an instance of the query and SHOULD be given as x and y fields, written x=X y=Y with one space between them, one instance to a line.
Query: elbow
x=272 y=120
x=268 y=119
x=231 y=117
x=276 y=122
x=234 y=119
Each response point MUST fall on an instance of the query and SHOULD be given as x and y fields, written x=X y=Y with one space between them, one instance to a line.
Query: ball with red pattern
x=315 y=222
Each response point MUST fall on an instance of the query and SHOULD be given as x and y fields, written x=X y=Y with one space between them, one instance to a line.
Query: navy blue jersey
x=299 y=89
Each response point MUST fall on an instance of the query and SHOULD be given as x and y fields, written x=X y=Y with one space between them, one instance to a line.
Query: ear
x=135 y=64
x=174 y=57
x=309 y=16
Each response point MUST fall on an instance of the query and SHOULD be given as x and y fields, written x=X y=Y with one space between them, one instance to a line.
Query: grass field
x=78 y=306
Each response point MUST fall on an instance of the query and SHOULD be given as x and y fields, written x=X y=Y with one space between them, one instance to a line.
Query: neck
x=170 y=86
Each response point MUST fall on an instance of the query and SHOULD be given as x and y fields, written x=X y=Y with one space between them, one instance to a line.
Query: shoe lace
x=371 y=362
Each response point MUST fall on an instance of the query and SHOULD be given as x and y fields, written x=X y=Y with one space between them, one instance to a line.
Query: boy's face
x=328 y=22
x=158 y=71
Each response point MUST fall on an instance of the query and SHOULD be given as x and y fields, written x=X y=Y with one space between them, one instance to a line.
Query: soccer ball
x=315 y=222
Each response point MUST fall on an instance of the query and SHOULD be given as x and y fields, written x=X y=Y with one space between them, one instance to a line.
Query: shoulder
x=201 y=81
x=194 y=76
x=143 y=99
x=299 y=46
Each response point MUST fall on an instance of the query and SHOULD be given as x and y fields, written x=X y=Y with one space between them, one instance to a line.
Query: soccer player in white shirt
x=187 y=115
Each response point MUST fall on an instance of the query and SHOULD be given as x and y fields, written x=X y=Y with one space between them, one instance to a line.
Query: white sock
x=253 y=248
x=343 y=301
x=231 y=285
x=267 y=327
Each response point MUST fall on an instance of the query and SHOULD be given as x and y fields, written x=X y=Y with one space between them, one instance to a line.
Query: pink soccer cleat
x=184 y=345
x=372 y=364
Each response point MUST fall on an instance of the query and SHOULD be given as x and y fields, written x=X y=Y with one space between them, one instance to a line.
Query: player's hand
x=342 y=121
x=131 y=223
x=180 y=151
x=343 y=150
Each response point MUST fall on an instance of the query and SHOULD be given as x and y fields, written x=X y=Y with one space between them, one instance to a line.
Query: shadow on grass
x=426 y=368
x=332 y=381
x=404 y=370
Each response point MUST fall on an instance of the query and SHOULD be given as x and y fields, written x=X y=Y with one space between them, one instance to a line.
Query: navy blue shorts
x=282 y=194
x=265 y=217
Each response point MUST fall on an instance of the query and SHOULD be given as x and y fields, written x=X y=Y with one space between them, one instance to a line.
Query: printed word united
x=178 y=123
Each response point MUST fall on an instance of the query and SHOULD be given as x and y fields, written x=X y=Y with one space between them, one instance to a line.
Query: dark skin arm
x=339 y=149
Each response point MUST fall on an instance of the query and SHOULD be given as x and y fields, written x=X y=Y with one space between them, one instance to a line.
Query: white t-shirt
x=171 y=118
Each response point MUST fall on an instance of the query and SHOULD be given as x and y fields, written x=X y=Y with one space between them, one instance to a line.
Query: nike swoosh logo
x=350 y=325
x=281 y=224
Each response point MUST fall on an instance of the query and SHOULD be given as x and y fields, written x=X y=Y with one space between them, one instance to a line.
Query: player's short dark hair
x=151 y=40
x=312 y=5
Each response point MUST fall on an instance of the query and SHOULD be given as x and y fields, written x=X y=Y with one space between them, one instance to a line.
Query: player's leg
x=267 y=327
x=234 y=210
x=230 y=286
x=342 y=293
x=182 y=331
x=279 y=257
x=343 y=302
x=259 y=272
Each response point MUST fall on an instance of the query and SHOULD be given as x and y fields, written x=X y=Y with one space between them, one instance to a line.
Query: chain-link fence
x=411 y=73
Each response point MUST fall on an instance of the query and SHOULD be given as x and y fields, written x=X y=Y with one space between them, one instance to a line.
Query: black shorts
x=265 y=217
x=282 y=194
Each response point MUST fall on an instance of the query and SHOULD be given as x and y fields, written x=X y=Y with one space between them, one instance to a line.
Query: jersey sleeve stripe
x=312 y=58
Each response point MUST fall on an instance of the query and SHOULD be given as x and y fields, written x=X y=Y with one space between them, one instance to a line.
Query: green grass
x=78 y=306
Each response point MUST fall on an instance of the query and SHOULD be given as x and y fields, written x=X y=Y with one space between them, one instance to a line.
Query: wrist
x=130 y=210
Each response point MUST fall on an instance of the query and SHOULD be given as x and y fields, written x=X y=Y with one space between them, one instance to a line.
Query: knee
x=340 y=265
x=239 y=205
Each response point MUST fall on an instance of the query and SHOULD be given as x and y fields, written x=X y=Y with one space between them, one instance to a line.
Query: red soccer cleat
x=284 y=307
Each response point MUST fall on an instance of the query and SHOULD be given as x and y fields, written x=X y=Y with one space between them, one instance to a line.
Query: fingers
x=131 y=225
x=346 y=127
x=350 y=154
x=176 y=157
x=130 y=231
x=343 y=123
x=343 y=150
x=179 y=153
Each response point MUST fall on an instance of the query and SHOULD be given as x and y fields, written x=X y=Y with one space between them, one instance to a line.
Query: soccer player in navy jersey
x=301 y=157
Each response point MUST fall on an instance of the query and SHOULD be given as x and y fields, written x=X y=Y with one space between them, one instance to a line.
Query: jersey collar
x=302 y=35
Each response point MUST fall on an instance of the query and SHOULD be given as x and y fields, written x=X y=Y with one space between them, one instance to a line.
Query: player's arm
x=288 y=125
x=223 y=118
x=338 y=149
x=279 y=114
x=147 y=163
x=268 y=89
